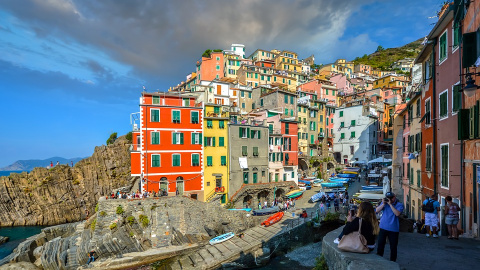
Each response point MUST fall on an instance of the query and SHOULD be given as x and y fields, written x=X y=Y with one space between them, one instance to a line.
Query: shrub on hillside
x=112 y=139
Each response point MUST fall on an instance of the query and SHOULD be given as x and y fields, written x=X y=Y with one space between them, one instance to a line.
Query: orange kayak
x=273 y=219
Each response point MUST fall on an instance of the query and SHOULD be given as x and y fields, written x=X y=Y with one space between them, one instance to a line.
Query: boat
x=273 y=219
x=347 y=175
x=293 y=191
x=241 y=209
x=305 y=188
x=372 y=190
x=266 y=211
x=349 y=172
x=334 y=179
x=332 y=184
x=317 y=182
x=352 y=169
x=369 y=196
x=372 y=187
x=221 y=238
x=295 y=196
x=317 y=197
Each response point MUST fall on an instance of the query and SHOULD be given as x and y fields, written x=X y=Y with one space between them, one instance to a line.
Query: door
x=164 y=185
x=218 y=182
x=255 y=177
x=180 y=185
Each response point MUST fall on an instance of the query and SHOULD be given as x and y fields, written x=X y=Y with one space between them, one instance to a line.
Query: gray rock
x=3 y=239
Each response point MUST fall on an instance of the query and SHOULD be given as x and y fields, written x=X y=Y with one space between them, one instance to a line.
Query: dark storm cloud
x=161 y=40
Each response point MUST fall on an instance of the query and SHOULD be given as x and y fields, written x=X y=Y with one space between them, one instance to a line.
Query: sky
x=71 y=71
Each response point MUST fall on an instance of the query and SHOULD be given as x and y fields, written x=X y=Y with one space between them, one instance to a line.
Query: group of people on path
x=137 y=194
x=283 y=205
x=336 y=198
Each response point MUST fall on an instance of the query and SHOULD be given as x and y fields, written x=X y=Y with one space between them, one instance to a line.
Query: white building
x=355 y=134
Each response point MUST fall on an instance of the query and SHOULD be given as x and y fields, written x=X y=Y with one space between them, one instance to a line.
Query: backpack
x=428 y=207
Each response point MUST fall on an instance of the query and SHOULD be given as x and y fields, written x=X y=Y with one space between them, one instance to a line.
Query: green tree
x=129 y=137
x=112 y=139
x=380 y=48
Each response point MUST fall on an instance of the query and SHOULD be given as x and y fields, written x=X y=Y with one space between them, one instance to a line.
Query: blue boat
x=332 y=184
x=221 y=238
x=347 y=175
x=339 y=180
x=372 y=187
x=317 y=197
x=241 y=209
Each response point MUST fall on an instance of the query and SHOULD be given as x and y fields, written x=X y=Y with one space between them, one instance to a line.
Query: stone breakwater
x=61 y=194
x=153 y=228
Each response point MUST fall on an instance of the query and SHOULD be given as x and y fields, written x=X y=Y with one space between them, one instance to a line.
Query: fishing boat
x=347 y=175
x=373 y=190
x=241 y=209
x=293 y=191
x=317 y=197
x=273 y=219
x=317 y=182
x=295 y=195
x=372 y=187
x=353 y=169
x=266 y=211
x=332 y=184
x=349 y=172
x=335 y=179
x=221 y=238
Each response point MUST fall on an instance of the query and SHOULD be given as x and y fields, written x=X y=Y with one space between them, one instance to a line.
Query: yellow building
x=232 y=64
x=390 y=81
x=215 y=152
x=287 y=60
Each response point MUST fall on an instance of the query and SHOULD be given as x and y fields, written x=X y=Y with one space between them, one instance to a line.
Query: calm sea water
x=7 y=173
x=17 y=235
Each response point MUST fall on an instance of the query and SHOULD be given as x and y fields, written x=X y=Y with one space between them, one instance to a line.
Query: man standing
x=389 y=224
x=431 y=208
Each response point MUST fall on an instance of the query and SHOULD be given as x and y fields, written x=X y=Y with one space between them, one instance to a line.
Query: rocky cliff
x=63 y=193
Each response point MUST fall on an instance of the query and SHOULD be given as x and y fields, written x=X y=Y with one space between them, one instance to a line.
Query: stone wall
x=61 y=194
x=262 y=192
x=340 y=260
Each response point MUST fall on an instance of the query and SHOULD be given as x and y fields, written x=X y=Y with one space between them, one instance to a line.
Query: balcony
x=134 y=148
x=331 y=135
x=321 y=135
x=216 y=115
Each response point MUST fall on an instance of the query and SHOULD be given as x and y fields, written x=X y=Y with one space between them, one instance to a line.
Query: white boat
x=371 y=191
x=221 y=238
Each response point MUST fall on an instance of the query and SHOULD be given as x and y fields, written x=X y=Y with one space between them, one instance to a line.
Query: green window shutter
x=239 y=132
x=221 y=124
x=248 y=132
x=273 y=157
x=216 y=109
x=352 y=134
x=205 y=141
x=281 y=156
x=259 y=134
x=411 y=176
x=155 y=160
x=353 y=123
x=252 y=134
x=192 y=136
x=476 y=119
x=457 y=98
x=195 y=160
x=341 y=113
x=221 y=141
x=213 y=141
x=181 y=138
x=299 y=135
x=174 y=138
x=155 y=138
x=254 y=177
x=463 y=119
x=342 y=135
x=223 y=160
x=244 y=151
x=341 y=124
x=285 y=99
x=209 y=161
x=255 y=151
x=291 y=100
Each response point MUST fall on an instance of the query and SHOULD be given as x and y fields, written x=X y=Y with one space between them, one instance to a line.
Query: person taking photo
x=389 y=224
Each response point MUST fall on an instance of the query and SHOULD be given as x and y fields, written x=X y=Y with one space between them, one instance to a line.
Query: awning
x=243 y=162
x=380 y=160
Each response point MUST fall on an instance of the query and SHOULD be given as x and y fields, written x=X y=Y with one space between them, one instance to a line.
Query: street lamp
x=470 y=87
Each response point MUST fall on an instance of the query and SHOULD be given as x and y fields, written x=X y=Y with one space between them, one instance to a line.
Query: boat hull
x=266 y=211
x=273 y=219
x=221 y=238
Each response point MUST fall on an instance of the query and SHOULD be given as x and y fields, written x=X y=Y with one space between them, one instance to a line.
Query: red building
x=167 y=153
x=290 y=146
x=211 y=68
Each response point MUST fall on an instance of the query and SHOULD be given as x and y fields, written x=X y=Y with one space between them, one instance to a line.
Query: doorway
x=180 y=185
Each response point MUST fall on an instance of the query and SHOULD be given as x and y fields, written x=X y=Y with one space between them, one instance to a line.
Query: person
x=71 y=162
x=304 y=214
x=452 y=218
x=370 y=227
x=58 y=163
x=431 y=217
x=91 y=256
x=389 y=224
x=51 y=164
x=177 y=192
x=336 y=203
x=322 y=208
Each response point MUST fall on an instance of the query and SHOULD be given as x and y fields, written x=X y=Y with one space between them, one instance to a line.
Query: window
x=243 y=132
x=218 y=67
x=352 y=149
x=223 y=160
x=245 y=177
x=352 y=134
x=249 y=94
x=243 y=105
x=216 y=109
x=221 y=141
x=442 y=52
x=291 y=112
x=209 y=141
x=154 y=115
x=331 y=120
x=209 y=161
x=221 y=124
x=455 y=37
x=443 y=104
x=457 y=98
x=176 y=160
x=287 y=128
x=270 y=128
x=155 y=137
x=155 y=160
x=444 y=165
x=196 y=138
x=255 y=151
x=427 y=111
x=194 y=117
x=242 y=93
x=291 y=100
x=155 y=100
x=341 y=113
x=186 y=102
x=244 y=151
x=419 y=181
x=177 y=138
x=342 y=124
x=342 y=135
x=195 y=160
x=176 y=117
x=255 y=134
x=418 y=109
x=285 y=98
x=428 y=164
x=352 y=123
x=209 y=124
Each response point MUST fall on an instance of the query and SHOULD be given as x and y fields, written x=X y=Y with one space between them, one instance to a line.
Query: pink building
x=342 y=83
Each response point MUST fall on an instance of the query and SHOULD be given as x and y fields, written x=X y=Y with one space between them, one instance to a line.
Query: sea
x=17 y=235
x=7 y=173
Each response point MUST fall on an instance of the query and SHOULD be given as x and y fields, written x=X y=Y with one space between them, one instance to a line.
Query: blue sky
x=71 y=72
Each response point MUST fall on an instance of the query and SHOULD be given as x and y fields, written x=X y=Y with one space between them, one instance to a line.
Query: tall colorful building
x=168 y=151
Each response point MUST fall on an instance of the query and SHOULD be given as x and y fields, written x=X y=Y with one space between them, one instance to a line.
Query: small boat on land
x=241 y=209
x=317 y=182
x=273 y=219
x=349 y=172
x=339 y=180
x=221 y=238
x=346 y=175
x=293 y=191
x=373 y=190
x=352 y=169
x=295 y=195
x=332 y=185
x=266 y=211
x=317 y=197
x=372 y=187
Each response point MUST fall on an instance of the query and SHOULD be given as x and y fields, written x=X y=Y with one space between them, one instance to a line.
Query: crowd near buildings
x=270 y=117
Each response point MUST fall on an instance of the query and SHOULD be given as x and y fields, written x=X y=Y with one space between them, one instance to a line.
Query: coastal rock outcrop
x=3 y=239
x=127 y=226
x=63 y=193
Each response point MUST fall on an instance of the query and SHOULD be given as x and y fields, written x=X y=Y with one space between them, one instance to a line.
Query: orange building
x=211 y=68
x=167 y=154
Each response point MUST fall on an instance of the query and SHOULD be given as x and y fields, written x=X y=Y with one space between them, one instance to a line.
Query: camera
x=352 y=212
x=386 y=199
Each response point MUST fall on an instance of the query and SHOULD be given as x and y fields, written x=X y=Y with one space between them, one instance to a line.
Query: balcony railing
x=321 y=135
x=134 y=147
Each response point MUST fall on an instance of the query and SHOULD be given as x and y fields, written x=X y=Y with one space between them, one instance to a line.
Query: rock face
x=3 y=239
x=139 y=225
x=61 y=194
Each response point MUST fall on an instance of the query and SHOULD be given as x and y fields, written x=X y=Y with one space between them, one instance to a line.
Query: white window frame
x=453 y=93
x=180 y=165
x=151 y=115
x=430 y=110
x=159 y=160
x=431 y=157
x=448 y=166
x=151 y=137
x=209 y=141
x=244 y=133
x=177 y=135
x=196 y=136
x=180 y=116
x=440 y=118
x=446 y=49
x=191 y=159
